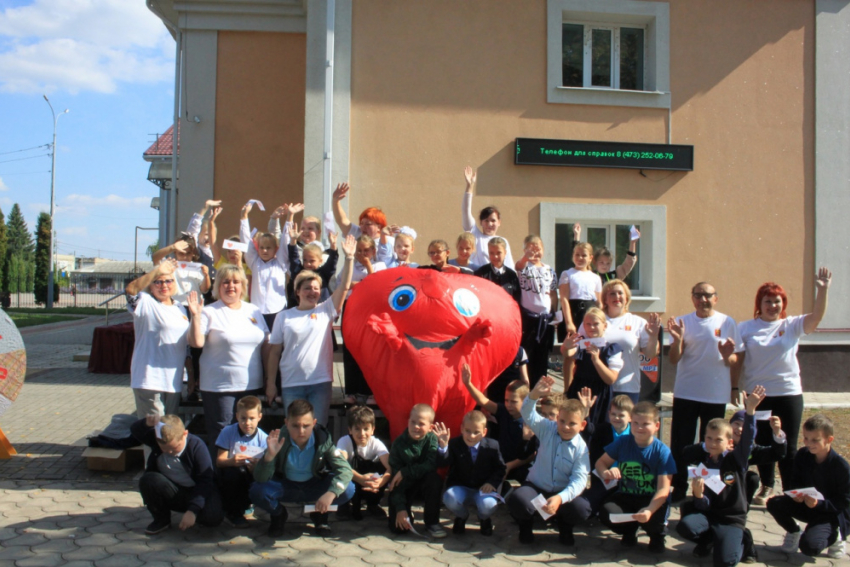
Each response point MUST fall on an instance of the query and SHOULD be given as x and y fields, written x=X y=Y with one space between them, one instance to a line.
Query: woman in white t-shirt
x=233 y=334
x=634 y=335
x=705 y=345
x=159 y=354
x=491 y=220
x=771 y=340
x=301 y=343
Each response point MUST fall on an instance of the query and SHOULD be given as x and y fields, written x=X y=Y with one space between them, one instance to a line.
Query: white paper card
x=634 y=234
x=538 y=502
x=233 y=245
x=598 y=342
x=258 y=203
x=253 y=232
x=249 y=451
x=621 y=518
x=558 y=319
x=609 y=484
x=158 y=429
x=310 y=508
x=813 y=492
x=413 y=530
x=189 y=267
x=328 y=221
x=763 y=415
x=715 y=483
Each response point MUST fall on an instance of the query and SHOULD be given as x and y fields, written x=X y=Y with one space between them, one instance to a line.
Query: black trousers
x=728 y=540
x=429 y=489
x=620 y=503
x=536 y=350
x=161 y=496
x=686 y=413
x=821 y=529
x=568 y=515
x=234 y=483
x=789 y=409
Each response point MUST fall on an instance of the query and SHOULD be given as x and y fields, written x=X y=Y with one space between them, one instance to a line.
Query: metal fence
x=81 y=290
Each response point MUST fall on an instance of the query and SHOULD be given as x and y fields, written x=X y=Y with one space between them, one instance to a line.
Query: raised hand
x=443 y=433
x=280 y=212
x=195 y=304
x=752 y=401
x=776 y=424
x=577 y=232
x=466 y=374
x=543 y=388
x=180 y=246
x=332 y=240
x=167 y=266
x=349 y=245
x=824 y=278
x=586 y=397
x=296 y=208
x=246 y=210
x=653 y=324
x=676 y=329
x=726 y=348
x=470 y=175
x=293 y=232
x=215 y=212
x=275 y=442
x=341 y=191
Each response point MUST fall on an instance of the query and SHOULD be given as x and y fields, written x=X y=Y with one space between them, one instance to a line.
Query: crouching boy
x=369 y=460
x=476 y=469
x=560 y=471
x=301 y=465
x=179 y=475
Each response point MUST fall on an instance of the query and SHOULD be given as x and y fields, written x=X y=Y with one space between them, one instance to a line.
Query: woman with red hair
x=771 y=340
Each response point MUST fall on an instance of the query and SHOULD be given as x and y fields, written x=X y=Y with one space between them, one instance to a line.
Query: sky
x=111 y=63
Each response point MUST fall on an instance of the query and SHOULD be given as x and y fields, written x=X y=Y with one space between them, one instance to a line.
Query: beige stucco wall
x=437 y=85
x=259 y=138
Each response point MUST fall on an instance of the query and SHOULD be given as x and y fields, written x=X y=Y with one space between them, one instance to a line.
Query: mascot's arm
x=479 y=332
x=383 y=326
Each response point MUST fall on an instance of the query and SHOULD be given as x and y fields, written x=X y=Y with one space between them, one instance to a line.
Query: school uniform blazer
x=487 y=468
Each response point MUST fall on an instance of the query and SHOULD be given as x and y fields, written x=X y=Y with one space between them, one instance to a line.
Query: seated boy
x=717 y=518
x=305 y=467
x=179 y=475
x=645 y=469
x=817 y=466
x=476 y=470
x=369 y=459
x=413 y=466
x=760 y=455
x=240 y=445
x=560 y=471
x=516 y=451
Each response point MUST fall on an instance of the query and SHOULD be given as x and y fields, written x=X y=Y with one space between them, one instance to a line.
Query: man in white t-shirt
x=705 y=346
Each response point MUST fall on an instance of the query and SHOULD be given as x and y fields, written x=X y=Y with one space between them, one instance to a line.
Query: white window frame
x=587 y=55
x=611 y=243
x=653 y=17
x=653 y=259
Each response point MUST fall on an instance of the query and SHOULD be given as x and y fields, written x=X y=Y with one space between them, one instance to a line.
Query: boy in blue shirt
x=240 y=445
x=560 y=471
x=305 y=467
x=645 y=469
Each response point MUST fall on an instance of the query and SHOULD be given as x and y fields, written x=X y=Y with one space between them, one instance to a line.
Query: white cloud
x=36 y=208
x=82 y=45
x=74 y=231
x=3 y=186
x=113 y=201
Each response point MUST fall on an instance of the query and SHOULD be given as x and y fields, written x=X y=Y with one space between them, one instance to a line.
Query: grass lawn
x=31 y=319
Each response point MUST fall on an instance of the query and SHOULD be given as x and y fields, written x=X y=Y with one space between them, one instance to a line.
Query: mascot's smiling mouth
x=443 y=345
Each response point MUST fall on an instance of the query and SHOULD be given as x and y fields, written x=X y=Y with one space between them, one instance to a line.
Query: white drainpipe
x=327 y=182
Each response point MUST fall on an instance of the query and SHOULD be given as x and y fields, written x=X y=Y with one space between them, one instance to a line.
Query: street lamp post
x=50 y=274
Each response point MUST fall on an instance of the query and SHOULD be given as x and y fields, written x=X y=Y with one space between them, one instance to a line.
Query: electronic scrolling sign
x=578 y=153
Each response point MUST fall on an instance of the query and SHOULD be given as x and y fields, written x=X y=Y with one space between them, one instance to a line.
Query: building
x=418 y=90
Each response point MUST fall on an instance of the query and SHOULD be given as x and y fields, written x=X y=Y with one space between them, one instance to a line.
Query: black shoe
x=277 y=525
x=750 y=555
x=486 y=527
x=460 y=526
x=526 y=533
x=320 y=524
x=376 y=511
x=345 y=512
x=629 y=540
x=703 y=549
x=656 y=544
x=566 y=537
x=237 y=520
x=158 y=526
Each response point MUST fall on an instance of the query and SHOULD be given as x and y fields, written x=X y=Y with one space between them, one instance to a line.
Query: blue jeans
x=318 y=394
x=457 y=498
x=268 y=495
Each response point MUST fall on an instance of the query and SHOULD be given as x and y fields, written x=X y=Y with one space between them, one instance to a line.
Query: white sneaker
x=792 y=542
x=763 y=494
x=836 y=550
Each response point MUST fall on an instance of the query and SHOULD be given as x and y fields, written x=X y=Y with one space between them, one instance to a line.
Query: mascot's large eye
x=402 y=297
x=466 y=302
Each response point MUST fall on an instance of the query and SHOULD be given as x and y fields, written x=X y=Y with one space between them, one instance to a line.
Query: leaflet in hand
x=413 y=530
x=763 y=415
x=258 y=203
x=310 y=508
x=249 y=451
x=233 y=245
x=609 y=484
x=190 y=267
x=538 y=502
x=621 y=518
x=634 y=233
x=813 y=492
x=330 y=228
x=598 y=342
x=711 y=477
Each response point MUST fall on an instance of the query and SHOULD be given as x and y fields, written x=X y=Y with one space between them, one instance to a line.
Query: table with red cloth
x=112 y=349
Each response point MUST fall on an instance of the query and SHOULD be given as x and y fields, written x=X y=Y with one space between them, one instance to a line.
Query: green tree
x=2 y=249
x=20 y=250
x=150 y=249
x=42 y=259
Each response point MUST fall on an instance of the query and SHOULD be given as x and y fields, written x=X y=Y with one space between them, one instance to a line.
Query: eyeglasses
x=704 y=295
x=163 y=282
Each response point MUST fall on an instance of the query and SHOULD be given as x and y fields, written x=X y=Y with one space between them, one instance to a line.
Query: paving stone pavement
x=54 y=512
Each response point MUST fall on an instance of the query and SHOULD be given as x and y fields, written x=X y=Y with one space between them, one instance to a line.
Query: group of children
x=568 y=471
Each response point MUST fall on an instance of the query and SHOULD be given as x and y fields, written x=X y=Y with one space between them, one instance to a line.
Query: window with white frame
x=613 y=236
x=609 y=52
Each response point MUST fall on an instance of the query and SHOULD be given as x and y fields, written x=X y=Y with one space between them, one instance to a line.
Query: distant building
x=107 y=276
